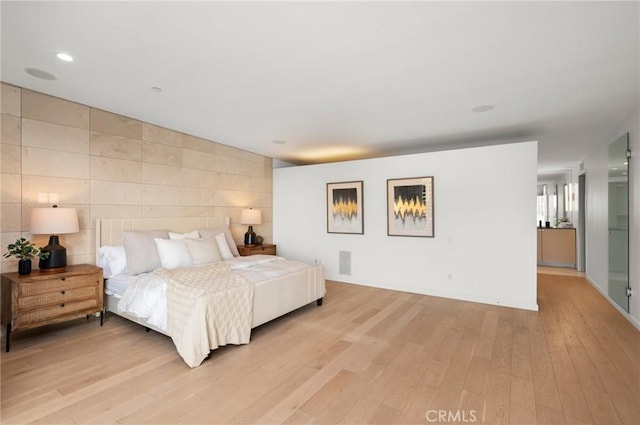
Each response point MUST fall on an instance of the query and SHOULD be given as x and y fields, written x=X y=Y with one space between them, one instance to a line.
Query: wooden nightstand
x=265 y=248
x=40 y=298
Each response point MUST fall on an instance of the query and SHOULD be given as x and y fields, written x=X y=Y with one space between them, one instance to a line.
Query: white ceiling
x=339 y=80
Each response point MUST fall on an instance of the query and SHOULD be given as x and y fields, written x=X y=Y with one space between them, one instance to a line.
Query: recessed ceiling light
x=156 y=89
x=66 y=57
x=279 y=142
x=626 y=163
x=614 y=168
x=483 y=108
x=38 y=73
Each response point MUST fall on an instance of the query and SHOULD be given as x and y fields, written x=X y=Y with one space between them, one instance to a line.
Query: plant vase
x=24 y=266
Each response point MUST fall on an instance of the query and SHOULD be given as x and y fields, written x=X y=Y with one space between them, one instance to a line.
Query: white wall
x=484 y=247
x=597 y=242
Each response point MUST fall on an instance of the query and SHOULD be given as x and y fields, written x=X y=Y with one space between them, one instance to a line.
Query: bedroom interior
x=477 y=329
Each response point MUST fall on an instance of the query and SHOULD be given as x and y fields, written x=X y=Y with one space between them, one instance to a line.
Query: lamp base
x=57 y=259
x=250 y=237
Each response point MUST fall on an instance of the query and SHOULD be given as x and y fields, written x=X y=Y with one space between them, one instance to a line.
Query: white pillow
x=113 y=260
x=205 y=233
x=203 y=251
x=173 y=253
x=190 y=235
x=221 y=240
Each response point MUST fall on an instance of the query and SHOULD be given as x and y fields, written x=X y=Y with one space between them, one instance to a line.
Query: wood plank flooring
x=366 y=356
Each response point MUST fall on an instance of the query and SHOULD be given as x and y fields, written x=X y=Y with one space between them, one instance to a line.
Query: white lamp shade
x=250 y=216
x=54 y=221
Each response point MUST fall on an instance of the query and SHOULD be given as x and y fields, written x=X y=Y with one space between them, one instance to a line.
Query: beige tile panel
x=198 y=178
x=57 y=137
x=88 y=258
x=114 y=124
x=260 y=200
x=51 y=109
x=114 y=211
x=69 y=190
x=117 y=170
x=78 y=243
x=226 y=181
x=165 y=211
x=198 y=160
x=116 y=146
x=10 y=129
x=231 y=152
x=9 y=265
x=198 y=211
x=11 y=159
x=197 y=144
x=268 y=170
x=261 y=184
x=161 y=195
x=157 y=153
x=115 y=193
x=10 y=218
x=197 y=196
x=238 y=167
x=10 y=102
x=228 y=198
x=8 y=237
x=5 y=239
x=11 y=187
x=84 y=216
x=163 y=135
x=45 y=162
x=161 y=174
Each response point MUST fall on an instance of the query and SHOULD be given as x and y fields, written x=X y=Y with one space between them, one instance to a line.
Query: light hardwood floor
x=367 y=356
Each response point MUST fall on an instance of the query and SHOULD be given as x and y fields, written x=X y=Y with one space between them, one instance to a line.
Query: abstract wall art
x=345 y=212
x=410 y=207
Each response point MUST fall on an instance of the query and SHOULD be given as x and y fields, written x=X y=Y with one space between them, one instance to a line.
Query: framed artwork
x=410 y=207
x=345 y=213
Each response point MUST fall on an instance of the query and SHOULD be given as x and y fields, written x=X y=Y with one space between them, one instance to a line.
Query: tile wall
x=108 y=165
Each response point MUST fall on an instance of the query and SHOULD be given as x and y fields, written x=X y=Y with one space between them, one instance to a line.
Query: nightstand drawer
x=57 y=311
x=56 y=285
x=58 y=297
x=264 y=249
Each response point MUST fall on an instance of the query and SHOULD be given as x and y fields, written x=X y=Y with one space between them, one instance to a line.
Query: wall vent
x=344 y=262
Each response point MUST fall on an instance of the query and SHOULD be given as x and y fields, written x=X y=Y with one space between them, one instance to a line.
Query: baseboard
x=626 y=315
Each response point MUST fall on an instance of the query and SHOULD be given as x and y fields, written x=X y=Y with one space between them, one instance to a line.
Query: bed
x=277 y=286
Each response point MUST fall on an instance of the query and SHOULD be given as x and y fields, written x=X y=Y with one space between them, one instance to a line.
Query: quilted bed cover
x=207 y=307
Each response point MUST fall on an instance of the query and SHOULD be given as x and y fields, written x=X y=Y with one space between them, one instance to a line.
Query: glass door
x=619 y=221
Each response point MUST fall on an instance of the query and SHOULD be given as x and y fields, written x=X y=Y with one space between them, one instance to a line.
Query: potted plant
x=24 y=251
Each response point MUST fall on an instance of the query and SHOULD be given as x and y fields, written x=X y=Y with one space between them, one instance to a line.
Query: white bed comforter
x=146 y=298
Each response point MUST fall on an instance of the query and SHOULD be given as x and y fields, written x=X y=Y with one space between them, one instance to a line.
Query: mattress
x=144 y=296
x=118 y=284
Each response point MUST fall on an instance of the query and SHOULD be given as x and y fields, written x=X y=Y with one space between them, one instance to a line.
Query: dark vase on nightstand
x=24 y=266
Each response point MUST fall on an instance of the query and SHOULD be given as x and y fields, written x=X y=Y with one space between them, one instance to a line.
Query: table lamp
x=250 y=216
x=54 y=221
